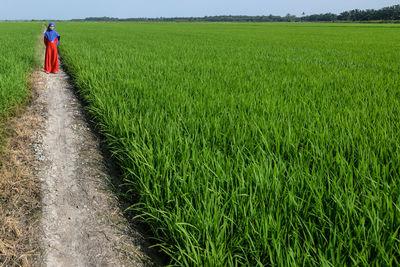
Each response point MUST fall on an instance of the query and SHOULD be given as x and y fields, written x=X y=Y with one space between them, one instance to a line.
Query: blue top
x=51 y=35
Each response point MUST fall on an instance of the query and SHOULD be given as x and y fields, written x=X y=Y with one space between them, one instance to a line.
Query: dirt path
x=81 y=221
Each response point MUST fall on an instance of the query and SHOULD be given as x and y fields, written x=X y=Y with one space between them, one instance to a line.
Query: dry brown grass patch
x=20 y=198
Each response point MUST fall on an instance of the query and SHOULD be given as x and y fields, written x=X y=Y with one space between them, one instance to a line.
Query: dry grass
x=20 y=187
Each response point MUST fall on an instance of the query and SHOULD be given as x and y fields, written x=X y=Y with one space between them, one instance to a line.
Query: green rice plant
x=17 y=57
x=251 y=144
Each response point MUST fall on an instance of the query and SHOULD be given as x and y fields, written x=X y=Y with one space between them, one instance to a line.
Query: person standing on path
x=51 y=40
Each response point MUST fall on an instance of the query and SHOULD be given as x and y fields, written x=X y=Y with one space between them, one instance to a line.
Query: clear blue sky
x=68 y=9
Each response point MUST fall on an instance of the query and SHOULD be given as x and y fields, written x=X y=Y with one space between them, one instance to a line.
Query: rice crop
x=17 y=57
x=251 y=144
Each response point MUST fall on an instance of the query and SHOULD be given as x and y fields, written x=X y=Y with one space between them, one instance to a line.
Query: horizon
x=174 y=9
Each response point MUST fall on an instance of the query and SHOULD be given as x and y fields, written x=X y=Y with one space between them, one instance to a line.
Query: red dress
x=51 y=57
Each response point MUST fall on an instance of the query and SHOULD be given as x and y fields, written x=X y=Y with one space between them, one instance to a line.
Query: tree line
x=391 y=13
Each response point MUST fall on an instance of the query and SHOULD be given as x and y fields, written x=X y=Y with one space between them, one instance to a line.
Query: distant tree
x=290 y=18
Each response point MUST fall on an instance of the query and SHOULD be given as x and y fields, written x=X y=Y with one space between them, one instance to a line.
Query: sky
x=70 y=9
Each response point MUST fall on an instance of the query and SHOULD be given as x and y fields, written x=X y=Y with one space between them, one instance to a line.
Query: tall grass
x=17 y=57
x=251 y=144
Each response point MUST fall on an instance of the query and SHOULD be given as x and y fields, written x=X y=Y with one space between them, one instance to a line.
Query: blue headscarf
x=51 y=35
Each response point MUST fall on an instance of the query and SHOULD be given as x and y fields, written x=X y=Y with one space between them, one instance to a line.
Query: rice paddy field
x=17 y=57
x=249 y=144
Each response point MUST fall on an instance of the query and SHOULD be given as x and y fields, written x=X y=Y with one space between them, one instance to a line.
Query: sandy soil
x=82 y=224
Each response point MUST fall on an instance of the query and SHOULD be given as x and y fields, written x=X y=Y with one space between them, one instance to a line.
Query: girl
x=51 y=40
